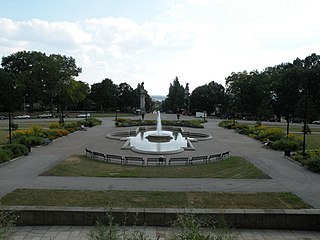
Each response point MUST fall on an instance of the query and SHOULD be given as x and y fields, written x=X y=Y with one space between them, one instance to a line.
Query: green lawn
x=133 y=199
x=233 y=168
x=312 y=140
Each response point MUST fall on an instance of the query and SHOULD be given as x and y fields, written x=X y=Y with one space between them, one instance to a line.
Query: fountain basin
x=158 y=138
x=173 y=142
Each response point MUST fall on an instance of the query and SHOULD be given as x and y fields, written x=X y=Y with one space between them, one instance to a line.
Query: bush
x=313 y=164
x=7 y=220
x=24 y=140
x=16 y=149
x=54 y=125
x=308 y=129
x=5 y=155
x=91 y=122
x=14 y=126
x=288 y=144
x=56 y=133
x=226 y=124
x=273 y=134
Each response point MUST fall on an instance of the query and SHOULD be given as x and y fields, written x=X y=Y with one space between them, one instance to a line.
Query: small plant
x=16 y=149
x=313 y=164
x=14 y=126
x=189 y=226
x=53 y=125
x=91 y=122
x=308 y=129
x=5 y=155
x=7 y=220
x=226 y=124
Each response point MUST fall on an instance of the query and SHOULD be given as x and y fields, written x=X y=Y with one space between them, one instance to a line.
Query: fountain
x=159 y=135
x=155 y=140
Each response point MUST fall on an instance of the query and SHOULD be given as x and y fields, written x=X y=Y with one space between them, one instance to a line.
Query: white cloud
x=197 y=40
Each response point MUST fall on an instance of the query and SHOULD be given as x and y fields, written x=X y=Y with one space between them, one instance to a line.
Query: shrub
x=226 y=124
x=288 y=144
x=56 y=133
x=190 y=226
x=313 y=164
x=121 y=120
x=16 y=149
x=38 y=131
x=91 y=122
x=54 y=125
x=7 y=220
x=5 y=155
x=308 y=129
x=273 y=134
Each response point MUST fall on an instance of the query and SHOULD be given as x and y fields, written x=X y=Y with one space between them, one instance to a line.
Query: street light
x=117 y=114
x=24 y=103
x=13 y=85
x=61 y=120
x=305 y=121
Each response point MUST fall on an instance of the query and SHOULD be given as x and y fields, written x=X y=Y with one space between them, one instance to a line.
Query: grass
x=312 y=140
x=133 y=199
x=233 y=167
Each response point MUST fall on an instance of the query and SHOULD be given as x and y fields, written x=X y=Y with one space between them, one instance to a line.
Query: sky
x=153 y=41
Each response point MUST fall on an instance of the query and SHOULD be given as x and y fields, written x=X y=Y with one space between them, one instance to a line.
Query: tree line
x=48 y=82
x=289 y=90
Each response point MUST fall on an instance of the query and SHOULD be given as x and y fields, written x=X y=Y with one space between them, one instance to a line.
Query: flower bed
x=23 y=139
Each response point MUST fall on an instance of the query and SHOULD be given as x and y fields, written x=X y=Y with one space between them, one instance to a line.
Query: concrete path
x=153 y=233
x=285 y=174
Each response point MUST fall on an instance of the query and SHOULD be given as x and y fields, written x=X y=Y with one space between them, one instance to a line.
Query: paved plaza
x=154 y=233
x=286 y=176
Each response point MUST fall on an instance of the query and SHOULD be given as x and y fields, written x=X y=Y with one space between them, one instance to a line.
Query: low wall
x=305 y=219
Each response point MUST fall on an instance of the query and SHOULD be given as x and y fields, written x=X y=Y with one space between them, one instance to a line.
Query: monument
x=142 y=100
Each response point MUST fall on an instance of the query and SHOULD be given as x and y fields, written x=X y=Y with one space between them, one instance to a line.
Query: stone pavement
x=154 y=233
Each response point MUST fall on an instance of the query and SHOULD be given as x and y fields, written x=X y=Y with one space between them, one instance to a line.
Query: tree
x=43 y=79
x=209 y=97
x=104 y=95
x=126 y=98
x=249 y=93
x=7 y=91
x=175 y=99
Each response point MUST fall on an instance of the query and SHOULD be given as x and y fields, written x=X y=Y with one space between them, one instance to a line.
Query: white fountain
x=169 y=140
x=159 y=135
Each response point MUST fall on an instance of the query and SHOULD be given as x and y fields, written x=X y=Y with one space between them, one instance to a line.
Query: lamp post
x=24 y=103
x=117 y=114
x=13 y=85
x=305 y=120
x=61 y=119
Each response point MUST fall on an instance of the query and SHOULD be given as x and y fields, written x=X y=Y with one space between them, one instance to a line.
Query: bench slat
x=134 y=159
x=181 y=159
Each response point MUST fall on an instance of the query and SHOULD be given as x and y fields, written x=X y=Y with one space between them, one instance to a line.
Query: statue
x=142 y=100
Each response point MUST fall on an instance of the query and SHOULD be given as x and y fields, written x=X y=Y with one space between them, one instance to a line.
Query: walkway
x=81 y=233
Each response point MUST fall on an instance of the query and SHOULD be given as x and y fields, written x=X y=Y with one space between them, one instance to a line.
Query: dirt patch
x=73 y=159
